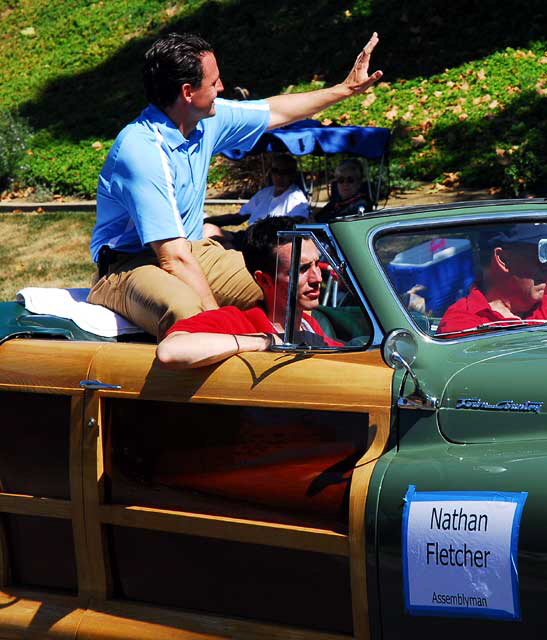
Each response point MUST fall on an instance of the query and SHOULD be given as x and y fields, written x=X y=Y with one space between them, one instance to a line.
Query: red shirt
x=474 y=310
x=234 y=320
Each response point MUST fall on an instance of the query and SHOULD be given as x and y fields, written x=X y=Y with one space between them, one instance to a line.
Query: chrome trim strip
x=292 y=294
x=427 y=403
x=452 y=206
x=97 y=385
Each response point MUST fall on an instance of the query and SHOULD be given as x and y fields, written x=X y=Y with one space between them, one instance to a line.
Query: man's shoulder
x=145 y=125
x=227 y=106
x=233 y=113
x=460 y=305
x=466 y=312
x=265 y=192
x=134 y=143
x=136 y=133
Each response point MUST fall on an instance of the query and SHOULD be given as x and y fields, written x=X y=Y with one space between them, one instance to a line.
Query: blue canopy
x=311 y=137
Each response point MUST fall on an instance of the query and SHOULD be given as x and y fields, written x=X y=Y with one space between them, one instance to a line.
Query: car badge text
x=503 y=405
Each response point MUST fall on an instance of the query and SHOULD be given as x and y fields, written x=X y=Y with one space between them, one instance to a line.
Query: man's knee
x=177 y=310
x=228 y=277
x=158 y=299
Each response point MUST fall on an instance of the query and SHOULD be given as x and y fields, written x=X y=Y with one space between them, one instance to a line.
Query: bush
x=521 y=170
x=14 y=136
x=64 y=166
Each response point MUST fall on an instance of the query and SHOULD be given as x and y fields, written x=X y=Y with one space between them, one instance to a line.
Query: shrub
x=522 y=170
x=65 y=166
x=14 y=137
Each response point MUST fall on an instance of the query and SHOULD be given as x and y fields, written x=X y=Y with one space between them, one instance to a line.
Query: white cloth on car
x=71 y=304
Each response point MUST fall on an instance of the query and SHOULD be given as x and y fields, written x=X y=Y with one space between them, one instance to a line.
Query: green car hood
x=501 y=396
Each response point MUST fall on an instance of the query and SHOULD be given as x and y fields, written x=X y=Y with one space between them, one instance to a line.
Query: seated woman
x=282 y=198
x=349 y=195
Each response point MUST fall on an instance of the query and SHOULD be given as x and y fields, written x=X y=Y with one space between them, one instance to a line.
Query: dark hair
x=285 y=160
x=352 y=164
x=261 y=241
x=173 y=60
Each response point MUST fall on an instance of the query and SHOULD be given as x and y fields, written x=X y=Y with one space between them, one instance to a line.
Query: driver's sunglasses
x=348 y=179
x=281 y=172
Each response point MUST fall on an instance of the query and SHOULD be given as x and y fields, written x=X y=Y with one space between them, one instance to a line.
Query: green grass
x=478 y=120
x=47 y=249
x=464 y=88
x=50 y=249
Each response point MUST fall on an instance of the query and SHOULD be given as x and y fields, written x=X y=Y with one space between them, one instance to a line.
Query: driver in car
x=212 y=336
x=511 y=289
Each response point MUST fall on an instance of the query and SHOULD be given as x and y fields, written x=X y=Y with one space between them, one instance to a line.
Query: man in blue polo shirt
x=153 y=266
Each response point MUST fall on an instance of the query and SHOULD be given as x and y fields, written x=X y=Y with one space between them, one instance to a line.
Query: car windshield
x=325 y=311
x=462 y=280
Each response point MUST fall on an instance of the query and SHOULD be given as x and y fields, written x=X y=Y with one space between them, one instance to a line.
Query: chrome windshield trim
x=290 y=312
x=448 y=221
x=442 y=207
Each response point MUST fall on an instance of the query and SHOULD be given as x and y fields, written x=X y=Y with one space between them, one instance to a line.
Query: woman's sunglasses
x=348 y=179
x=281 y=172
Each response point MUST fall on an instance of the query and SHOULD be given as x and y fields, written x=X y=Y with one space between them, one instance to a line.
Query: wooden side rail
x=234 y=529
x=35 y=506
x=379 y=426
x=27 y=614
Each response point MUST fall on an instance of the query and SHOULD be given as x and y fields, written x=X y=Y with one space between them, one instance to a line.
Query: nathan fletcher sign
x=460 y=553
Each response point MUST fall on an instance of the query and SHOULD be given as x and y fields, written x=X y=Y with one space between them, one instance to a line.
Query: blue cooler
x=444 y=266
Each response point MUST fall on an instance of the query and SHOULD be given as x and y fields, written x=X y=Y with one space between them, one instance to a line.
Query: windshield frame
x=450 y=221
x=338 y=262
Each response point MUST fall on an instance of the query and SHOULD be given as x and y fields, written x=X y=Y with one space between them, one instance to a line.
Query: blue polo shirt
x=152 y=185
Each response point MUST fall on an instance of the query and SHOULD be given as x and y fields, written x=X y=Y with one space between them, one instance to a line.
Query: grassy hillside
x=464 y=92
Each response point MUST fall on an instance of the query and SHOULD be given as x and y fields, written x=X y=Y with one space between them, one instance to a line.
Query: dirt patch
x=431 y=193
x=426 y=193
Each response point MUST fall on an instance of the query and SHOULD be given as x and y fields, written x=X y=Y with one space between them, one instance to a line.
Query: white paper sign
x=460 y=553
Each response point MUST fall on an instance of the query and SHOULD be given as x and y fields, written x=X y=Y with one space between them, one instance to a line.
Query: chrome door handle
x=95 y=385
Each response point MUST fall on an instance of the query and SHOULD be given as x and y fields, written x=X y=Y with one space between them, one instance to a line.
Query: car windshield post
x=347 y=325
x=293 y=289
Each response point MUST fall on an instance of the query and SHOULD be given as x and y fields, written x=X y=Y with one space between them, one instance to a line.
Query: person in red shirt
x=212 y=336
x=512 y=287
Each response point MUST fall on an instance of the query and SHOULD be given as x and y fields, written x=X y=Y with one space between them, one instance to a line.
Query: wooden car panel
x=47 y=366
x=361 y=380
x=99 y=525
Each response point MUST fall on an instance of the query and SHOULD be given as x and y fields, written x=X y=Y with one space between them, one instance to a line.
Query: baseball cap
x=531 y=233
x=521 y=233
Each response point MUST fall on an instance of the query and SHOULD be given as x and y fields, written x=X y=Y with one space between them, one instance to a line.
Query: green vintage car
x=390 y=487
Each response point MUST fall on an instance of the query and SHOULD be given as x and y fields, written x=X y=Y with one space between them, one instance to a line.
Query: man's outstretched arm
x=182 y=350
x=290 y=107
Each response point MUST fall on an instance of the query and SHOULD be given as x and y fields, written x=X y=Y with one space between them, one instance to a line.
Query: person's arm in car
x=183 y=350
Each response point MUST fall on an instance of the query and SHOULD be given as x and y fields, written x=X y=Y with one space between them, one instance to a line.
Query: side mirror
x=399 y=352
x=542 y=250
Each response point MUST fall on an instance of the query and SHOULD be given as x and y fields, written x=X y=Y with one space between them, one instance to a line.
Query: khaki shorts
x=137 y=288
